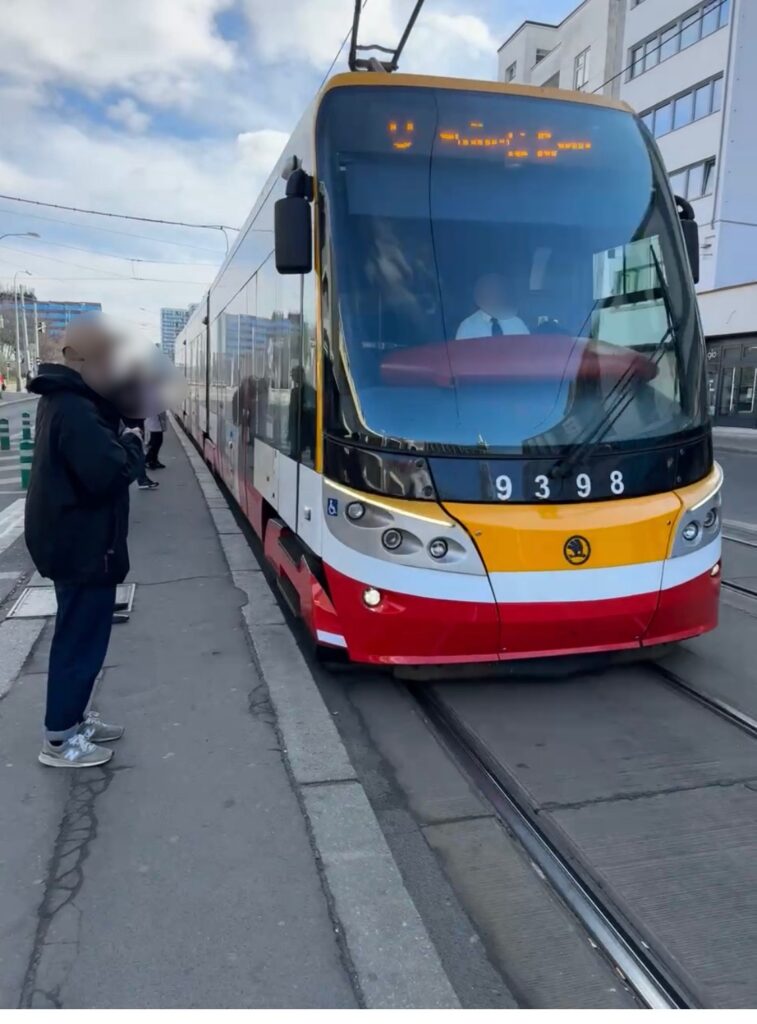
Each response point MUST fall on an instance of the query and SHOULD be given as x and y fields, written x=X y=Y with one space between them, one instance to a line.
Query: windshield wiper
x=622 y=392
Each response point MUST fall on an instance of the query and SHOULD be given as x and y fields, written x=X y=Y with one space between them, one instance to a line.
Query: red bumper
x=406 y=630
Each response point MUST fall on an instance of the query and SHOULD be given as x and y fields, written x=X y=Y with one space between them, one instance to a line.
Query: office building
x=172 y=321
x=583 y=51
x=688 y=69
x=54 y=316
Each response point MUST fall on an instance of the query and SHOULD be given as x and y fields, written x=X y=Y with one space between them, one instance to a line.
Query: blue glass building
x=57 y=315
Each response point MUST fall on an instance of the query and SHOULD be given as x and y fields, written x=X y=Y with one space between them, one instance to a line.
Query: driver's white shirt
x=479 y=325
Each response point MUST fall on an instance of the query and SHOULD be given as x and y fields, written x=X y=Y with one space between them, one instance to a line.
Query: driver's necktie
x=496 y=328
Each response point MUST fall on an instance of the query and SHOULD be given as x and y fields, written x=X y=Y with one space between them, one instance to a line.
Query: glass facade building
x=57 y=315
x=172 y=321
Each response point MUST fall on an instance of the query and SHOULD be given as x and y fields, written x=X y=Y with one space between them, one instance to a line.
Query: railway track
x=653 y=980
x=647 y=971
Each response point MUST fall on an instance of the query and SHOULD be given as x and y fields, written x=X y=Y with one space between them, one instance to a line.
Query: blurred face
x=490 y=295
x=90 y=350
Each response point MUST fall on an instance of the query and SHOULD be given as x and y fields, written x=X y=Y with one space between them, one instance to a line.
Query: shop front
x=732 y=381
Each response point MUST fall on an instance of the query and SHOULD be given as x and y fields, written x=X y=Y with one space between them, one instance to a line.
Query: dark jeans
x=153 y=447
x=80 y=643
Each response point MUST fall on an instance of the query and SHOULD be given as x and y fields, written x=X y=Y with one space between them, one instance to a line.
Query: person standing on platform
x=144 y=482
x=77 y=519
x=155 y=427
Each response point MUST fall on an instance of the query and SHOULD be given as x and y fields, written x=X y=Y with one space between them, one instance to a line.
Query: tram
x=453 y=372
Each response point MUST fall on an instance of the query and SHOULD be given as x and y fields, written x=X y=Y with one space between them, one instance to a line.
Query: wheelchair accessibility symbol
x=332 y=506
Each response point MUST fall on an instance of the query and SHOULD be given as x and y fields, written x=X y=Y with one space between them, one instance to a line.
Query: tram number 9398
x=542 y=486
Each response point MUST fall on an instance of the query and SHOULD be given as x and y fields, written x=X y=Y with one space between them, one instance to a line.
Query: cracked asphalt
x=182 y=874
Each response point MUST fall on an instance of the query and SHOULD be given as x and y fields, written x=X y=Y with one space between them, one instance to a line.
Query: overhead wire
x=111 y=231
x=119 y=216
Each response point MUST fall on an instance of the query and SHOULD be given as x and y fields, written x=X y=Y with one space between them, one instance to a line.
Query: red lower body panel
x=413 y=630
x=577 y=626
x=685 y=611
x=418 y=630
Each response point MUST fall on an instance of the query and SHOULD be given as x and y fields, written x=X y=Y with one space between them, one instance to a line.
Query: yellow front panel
x=532 y=537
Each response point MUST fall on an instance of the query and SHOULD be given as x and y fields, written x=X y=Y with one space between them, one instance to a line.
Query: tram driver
x=495 y=313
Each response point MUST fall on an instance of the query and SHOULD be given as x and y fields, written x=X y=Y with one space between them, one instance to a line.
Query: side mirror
x=690 y=230
x=292 y=226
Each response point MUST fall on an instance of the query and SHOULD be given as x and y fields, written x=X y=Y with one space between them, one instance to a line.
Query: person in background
x=77 y=521
x=144 y=482
x=495 y=313
x=155 y=427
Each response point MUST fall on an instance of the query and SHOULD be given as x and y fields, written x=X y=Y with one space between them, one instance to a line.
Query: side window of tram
x=279 y=321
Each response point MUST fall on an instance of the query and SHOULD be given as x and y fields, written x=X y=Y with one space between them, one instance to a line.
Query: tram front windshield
x=508 y=270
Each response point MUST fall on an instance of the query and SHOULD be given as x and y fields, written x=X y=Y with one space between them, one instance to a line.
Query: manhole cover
x=38 y=602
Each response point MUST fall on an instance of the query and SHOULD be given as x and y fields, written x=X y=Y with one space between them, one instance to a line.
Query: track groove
x=656 y=983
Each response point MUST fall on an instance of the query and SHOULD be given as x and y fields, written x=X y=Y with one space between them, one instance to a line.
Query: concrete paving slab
x=602 y=737
x=549 y=963
x=183 y=874
x=17 y=638
x=262 y=608
x=238 y=553
x=396 y=962
x=224 y=521
x=31 y=806
x=686 y=862
x=724 y=663
x=314 y=750
x=433 y=785
x=375 y=911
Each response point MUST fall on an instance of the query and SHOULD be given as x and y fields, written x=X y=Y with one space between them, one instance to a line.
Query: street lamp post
x=18 y=338
x=36 y=338
x=25 y=322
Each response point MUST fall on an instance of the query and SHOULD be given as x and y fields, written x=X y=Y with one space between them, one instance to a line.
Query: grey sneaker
x=76 y=752
x=96 y=731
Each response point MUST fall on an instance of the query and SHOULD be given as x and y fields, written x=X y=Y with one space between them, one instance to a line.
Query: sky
x=178 y=109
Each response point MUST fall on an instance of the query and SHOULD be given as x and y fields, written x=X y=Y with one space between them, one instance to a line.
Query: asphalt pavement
x=228 y=855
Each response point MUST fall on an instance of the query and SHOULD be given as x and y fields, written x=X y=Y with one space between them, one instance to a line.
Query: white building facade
x=688 y=69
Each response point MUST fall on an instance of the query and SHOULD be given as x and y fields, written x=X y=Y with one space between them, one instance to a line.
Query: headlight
x=391 y=539
x=355 y=510
x=690 y=531
x=372 y=597
x=711 y=519
x=438 y=548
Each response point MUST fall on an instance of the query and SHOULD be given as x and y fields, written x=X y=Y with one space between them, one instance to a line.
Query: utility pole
x=18 y=337
x=18 y=340
x=36 y=337
x=26 y=334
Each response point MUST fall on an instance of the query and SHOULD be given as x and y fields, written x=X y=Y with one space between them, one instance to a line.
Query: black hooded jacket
x=77 y=507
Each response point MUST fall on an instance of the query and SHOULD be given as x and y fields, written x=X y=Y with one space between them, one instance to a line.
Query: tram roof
x=382 y=79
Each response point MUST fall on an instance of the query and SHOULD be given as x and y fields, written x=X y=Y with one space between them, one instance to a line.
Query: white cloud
x=167 y=55
x=128 y=113
x=151 y=48
x=202 y=181
x=442 y=43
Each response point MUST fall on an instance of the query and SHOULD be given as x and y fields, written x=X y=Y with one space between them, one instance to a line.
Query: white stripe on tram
x=545 y=587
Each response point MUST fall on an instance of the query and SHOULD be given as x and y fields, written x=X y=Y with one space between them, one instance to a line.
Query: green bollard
x=26 y=451
x=5 y=436
x=26 y=426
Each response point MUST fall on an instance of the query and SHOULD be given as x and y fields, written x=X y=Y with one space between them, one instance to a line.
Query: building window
x=701 y=21
x=511 y=72
x=553 y=82
x=540 y=55
x=581 y=70
x=695 y=181
x=701 y=101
